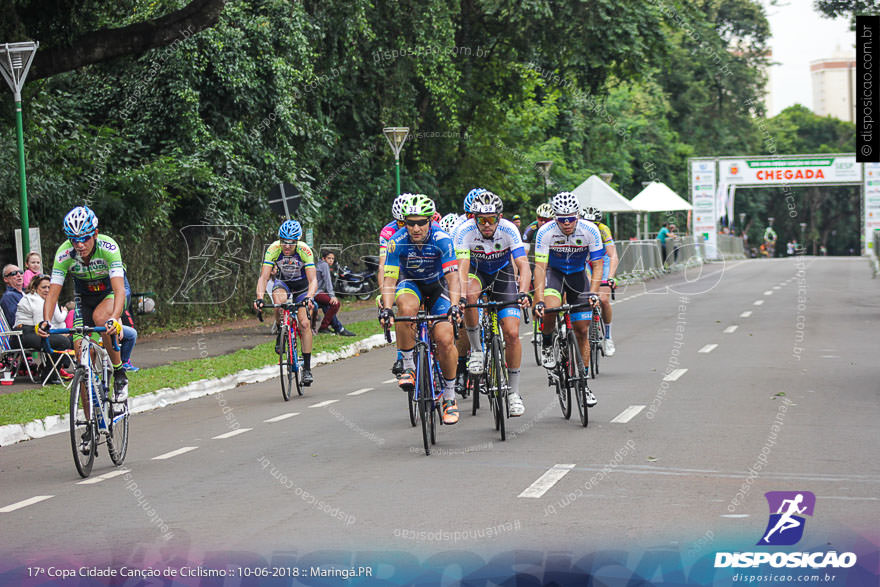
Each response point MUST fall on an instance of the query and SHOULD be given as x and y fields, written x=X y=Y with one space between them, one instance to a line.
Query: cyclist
x=386 y=233
x=544 y=214
x=493 y=246
x=448 y=222
x=561 y=251
x=770 y=237
x=609 y=270
x=95 y=263
x=420 y=270
x=296 y=280
x=462 y=344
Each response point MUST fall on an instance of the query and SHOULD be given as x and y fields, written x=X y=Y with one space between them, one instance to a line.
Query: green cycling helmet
x=419 y=205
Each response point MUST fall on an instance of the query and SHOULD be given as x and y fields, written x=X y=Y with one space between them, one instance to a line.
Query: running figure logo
x=786 y=525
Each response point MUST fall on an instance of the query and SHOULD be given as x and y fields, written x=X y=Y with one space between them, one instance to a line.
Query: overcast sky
x=800 y=35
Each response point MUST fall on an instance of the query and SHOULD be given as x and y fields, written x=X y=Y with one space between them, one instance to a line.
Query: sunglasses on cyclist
x=422 y=222
x=11 y=273
x=566 y=219
x=80 y=239
x=287 y=241
x=487 y=220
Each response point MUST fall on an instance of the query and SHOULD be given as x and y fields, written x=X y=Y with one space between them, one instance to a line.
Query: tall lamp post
x=396 y=136
x=15 y=61
x=543 y=168
x=742 y=222
x=803 y=242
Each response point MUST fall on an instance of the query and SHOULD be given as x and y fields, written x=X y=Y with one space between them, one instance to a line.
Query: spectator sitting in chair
x=326 y=297
x=30 y=313
x=12 y=275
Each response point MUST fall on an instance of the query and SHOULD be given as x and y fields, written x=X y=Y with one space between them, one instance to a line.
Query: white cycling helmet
x=590 y=213
x=397 y=207
x=545 y=210
x=487 y=203
x=448 y=221
x=565 y=204
x=80 y=222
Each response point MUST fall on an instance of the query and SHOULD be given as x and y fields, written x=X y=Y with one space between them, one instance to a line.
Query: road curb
x=15 y=433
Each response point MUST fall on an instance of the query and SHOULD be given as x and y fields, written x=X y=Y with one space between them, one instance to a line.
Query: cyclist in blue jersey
x=562 y=249
x=488 y=247
x=609 y=269
x=420 y=267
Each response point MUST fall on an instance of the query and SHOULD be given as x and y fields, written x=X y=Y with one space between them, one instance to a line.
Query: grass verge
x=22 y=407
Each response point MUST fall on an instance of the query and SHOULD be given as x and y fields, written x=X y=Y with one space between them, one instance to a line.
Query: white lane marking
x=546 y=481
x=627 y=414
x=734 y=515
x=23 y=504
x=776 y=287
x=675 y=375
x=849 y=498
x=708 y=348
x=282 y=417
x=360 y=391
x=232 y=433
x=746 y=314
x=103 y=477
x=324 y=403
x=759 y=302
x=390 y=381
x=769 y=292
x=730 y=329
x=174 y=453
x=830 y=356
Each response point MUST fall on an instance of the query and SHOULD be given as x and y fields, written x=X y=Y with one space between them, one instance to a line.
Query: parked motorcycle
x=360 y=284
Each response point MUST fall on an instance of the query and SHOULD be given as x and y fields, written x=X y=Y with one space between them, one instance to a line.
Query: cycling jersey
x=568 y=254
x=488 y=255
x=458 y=224
x=605 y=233
x=386 y=233
x=92 y=277
x=426 y=263
x=290 y=268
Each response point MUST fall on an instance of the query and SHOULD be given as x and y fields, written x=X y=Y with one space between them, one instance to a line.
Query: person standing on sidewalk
x=326 y=297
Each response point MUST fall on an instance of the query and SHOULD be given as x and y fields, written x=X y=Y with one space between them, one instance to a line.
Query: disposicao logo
x=785 y=528
x=786 y=525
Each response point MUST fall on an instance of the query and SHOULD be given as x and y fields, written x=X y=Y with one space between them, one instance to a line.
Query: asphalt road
x=351 y=475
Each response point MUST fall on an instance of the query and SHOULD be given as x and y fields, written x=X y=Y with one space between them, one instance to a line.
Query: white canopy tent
x=595 y=192
x=658 y=197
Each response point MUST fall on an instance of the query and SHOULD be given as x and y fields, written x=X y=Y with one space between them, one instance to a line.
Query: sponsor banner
x=810 y=169
x=703 y=184
x=872 y=204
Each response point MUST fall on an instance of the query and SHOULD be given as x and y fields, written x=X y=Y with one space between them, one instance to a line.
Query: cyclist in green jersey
x=95 y=263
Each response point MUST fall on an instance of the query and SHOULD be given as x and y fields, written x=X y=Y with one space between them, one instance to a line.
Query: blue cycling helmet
x=469 y=199
x=80 y=222
x=290 y=230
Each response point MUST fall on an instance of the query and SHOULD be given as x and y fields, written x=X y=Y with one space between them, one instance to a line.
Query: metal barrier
x=730 y=247
x=874 y=255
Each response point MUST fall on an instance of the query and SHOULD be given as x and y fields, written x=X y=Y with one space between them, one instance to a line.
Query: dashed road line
x=675 y=375
x=627 y=414
x=282 y=417
x=232 y=433
x=104 y=477
x=708 y=348
x=759 y=302
x=730 y=329
x=769 y=292
x=746 y=314
x=360 y=391
x=392 y=380
x=174 y=453
x=24 y=503
x=546 y=481
x=324 y=403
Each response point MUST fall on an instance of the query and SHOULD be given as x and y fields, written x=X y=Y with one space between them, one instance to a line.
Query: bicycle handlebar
x=568 y=307
x=420 y=317
x=81 y=330
x=292 y=306
x=496 y=305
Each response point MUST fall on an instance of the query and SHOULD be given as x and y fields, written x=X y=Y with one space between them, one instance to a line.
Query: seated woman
x=30 y=313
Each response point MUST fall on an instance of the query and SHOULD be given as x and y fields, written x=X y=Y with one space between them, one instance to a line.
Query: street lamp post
x=396 y=136
x=803 y=242
x=544 y=169
x=742 y=222
x=15 y=61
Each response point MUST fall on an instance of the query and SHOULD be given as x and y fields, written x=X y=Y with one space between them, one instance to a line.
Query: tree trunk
x=134 y=39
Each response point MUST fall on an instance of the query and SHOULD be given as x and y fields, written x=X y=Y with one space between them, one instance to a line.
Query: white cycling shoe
x=608 y=347
x=516 y=405
x=548 y=359
x=475 y=363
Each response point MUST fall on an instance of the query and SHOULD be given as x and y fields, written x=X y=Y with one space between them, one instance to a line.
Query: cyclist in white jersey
x=491 y=246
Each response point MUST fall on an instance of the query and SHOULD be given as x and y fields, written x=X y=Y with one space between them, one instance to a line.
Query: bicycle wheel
x=563 y=391
x=423 y=395
x=578 y=379
x=536 y=340
x=295 y=365
x=117 y=429
x=413 y=407
x=499 y=406
x=284 y=364
x=473 y=383
x=435 y=411
x=79 y=425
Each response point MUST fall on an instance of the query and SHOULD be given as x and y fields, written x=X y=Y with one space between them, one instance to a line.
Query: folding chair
x=10 y=346
x=52 y=362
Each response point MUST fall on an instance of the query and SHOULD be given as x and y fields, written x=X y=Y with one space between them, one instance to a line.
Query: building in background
x=834 y=86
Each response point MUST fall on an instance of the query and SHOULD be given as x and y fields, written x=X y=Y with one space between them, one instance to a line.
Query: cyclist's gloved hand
x=386 y=316
x=462 y=302
x=258 y=305
x=611 y=282
x=539 y=309
x=113 y=326
x=592 y=298
x=524 y=300
x=454 y=313
x=43 y=328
